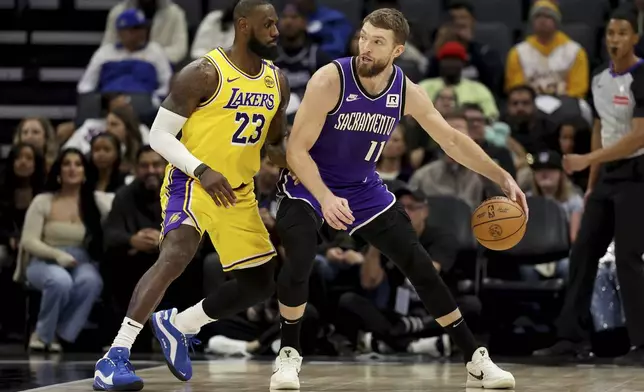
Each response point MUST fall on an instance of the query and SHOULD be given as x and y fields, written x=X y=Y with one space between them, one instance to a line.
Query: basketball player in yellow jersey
x=227 y=105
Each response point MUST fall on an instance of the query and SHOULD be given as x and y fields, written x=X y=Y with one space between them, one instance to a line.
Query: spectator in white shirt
x=215 y=30
x=169 y=25
x=133 y=65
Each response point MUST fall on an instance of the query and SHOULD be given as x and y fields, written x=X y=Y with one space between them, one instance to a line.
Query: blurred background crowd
x=79 y=206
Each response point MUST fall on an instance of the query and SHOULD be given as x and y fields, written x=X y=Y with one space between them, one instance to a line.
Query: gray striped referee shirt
x=616 y=99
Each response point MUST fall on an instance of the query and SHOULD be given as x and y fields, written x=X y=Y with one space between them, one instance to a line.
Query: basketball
x=499 y=223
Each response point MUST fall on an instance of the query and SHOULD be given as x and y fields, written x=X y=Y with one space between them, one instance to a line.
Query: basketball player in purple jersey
x=348 y=113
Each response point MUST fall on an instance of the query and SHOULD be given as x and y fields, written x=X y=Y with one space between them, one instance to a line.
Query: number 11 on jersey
x=372 y=149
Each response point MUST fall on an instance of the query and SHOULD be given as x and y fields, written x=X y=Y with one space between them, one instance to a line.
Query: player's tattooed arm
x=277 y=132
x=194 y=84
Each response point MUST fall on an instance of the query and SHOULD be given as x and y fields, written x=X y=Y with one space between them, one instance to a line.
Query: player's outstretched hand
x=218 y=188
x=514 y=193
x=336 y=212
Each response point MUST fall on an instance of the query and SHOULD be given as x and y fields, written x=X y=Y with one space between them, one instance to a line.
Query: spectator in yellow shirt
x=548 y=60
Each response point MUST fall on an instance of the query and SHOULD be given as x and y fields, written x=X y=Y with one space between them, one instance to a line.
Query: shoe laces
x=190 y=341
x=123 y=365
x=289 y=363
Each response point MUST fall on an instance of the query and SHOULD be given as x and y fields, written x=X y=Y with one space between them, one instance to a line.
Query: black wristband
x=200 y=170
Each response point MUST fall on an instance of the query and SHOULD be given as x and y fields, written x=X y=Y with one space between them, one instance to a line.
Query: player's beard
x=372 y=69
x=263 y=51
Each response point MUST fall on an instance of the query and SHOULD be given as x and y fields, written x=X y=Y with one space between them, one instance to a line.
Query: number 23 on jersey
x=256 y=122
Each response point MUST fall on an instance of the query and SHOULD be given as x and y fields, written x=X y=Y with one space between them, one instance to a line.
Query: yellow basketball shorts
x=237 y=233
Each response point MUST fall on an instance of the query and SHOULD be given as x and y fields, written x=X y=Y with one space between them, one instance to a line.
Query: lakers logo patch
x=174 y=218
x=269 y=82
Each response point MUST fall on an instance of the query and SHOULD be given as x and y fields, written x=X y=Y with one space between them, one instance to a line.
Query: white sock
x=127 y=334
x=191 y=320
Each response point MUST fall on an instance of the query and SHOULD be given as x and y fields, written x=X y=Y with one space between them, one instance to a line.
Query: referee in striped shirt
x=615 y=198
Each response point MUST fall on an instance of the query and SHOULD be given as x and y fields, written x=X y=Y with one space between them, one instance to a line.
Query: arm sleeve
x=90 y=80
x=513 y=71
x=31 y=239
x=637 y=88
x=163 y=139
x=117 y=236
x=178 y=47
x=578 y=76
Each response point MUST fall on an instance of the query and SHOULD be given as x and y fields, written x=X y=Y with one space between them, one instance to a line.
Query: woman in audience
x=38 y=132
x=105 y=163
x=62 y=234
x=122 y=122
x=394 y=161
x=24 y=179
x=550 y=181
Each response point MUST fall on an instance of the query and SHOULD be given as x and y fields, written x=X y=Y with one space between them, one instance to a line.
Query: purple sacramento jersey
x=352 y=139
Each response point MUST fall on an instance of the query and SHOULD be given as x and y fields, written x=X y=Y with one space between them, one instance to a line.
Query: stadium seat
x=351 y=9
x=589 y=12
x=585 y=35
x=454 y=215
x=497 y=35
x=425 y=13
x=546 y=239
x=507 y=12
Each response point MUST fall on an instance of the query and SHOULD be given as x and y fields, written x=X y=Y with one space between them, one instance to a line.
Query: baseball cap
x=418 y=196
x=546 y=160
x=452 y=49
x=130 y=18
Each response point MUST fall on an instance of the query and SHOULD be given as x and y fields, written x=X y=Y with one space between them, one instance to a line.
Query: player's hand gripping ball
x=499 y=223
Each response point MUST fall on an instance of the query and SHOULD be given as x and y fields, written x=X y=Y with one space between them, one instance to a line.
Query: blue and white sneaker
x=175 y=344
x=114 y=372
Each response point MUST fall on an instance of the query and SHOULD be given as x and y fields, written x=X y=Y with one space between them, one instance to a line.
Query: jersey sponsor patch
x=392 y=100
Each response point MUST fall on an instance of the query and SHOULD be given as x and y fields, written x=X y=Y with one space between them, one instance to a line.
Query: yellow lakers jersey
x=227 y=131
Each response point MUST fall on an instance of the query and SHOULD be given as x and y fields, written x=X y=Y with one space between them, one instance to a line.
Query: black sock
x=462 y=336
x=291 y=333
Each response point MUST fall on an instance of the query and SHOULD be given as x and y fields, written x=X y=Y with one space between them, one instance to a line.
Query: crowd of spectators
x=80 y=211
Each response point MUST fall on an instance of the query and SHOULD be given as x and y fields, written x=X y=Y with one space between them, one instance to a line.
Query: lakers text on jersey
x=227 y=132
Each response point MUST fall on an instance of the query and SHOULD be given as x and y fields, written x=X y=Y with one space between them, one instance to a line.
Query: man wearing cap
x=133 y=65
x=452 y=58
x=397 y=319
x=548 y=60
x=168 y=27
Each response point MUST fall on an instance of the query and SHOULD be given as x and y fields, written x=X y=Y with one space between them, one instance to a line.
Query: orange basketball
x=499 y=223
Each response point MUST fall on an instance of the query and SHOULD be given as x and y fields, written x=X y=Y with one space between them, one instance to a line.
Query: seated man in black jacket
x=132 y=240
x=388 y=312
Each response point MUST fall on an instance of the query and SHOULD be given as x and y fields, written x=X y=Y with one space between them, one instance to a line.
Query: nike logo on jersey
x=105 y=380
x=480 y=378
x=352 y=97
x=232 y=80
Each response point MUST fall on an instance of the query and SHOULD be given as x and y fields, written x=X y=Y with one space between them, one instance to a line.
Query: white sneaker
x=483 y=373
x=223 y=345
x=286 y=370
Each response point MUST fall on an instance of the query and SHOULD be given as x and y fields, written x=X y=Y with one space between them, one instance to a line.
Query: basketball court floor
x=248 y=375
